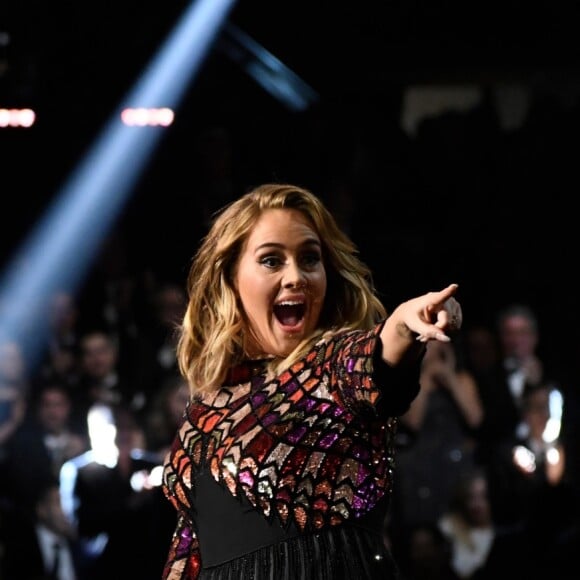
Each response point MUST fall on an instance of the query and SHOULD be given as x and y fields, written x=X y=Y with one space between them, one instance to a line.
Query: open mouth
x=289 y=313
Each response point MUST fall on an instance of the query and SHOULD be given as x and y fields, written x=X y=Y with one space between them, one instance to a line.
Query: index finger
x=438 y=299
x=446 y=293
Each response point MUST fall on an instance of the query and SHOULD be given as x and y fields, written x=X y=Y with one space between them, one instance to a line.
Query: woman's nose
x=294 y=276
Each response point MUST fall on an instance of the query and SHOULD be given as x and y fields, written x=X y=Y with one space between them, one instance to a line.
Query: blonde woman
x=283 y=465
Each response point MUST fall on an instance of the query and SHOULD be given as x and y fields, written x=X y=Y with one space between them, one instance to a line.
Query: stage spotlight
x=60 y=249
x=142 y=117
x=17 y=118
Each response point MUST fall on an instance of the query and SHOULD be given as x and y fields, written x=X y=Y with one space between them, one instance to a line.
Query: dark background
x=464 y=201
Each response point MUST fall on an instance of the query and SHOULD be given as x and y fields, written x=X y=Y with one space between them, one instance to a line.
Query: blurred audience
x=39 y=543
x=480 y=549
x=43 y=442
x=60 y=362
x=154 y=348
x=112 y=497
x=436 y=437
x=100 y=378
x=501 y=390
x=481 y=352
x=13 y=407
x=424 y=553
x=165 y=413
x=527 y=469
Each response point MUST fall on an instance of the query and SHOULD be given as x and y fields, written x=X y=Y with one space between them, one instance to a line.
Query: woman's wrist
x=399 y=342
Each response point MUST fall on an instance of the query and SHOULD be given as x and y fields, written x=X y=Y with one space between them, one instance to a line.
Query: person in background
x=424 y=553
x=519 y=363
x=283 y=464
x=39 y=543
x=111 y=494
x=480 y=548
x=529 y=485
x=60 y=362
x=13 y=409
x=153 y=355
x=101 y=380
x=43 y=443
x=481 y=353
x=519 y=337
x=164 y=414
x=529 y=462
x=15 y=390
x=437 y=437
x=13 y=368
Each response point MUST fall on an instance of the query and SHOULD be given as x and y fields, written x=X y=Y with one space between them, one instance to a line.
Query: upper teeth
x=290 y=303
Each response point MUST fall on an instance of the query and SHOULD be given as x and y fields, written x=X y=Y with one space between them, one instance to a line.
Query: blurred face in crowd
x=518 y=337
x=477 y=506
x=99 y=355
x=281 y=282
x=54 y=410
x=63 y=311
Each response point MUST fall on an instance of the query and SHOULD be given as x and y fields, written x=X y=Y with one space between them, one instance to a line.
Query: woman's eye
x=307 y=261
x=270 y=261
x=311 y=260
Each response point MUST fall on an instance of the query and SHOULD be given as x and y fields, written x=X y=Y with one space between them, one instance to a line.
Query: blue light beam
x=61 y=247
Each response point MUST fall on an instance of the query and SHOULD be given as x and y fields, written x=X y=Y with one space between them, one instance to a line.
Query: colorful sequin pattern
x=308 y=445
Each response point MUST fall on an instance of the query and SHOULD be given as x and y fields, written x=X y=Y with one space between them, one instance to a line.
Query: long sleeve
x=184 y=560
x=361 y=379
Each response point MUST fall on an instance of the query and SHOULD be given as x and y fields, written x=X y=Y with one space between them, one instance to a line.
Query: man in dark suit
x=39 y=542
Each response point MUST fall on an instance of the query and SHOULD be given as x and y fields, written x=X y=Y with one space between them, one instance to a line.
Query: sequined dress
x=289 y=478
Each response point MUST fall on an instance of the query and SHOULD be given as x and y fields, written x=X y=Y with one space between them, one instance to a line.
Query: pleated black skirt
x=340 y=553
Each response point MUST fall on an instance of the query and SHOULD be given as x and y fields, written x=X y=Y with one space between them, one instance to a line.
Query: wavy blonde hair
x=211 y=336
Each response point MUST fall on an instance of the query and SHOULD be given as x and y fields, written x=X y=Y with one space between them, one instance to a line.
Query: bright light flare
x=17 y=118
x=524 y=459
x=554 y=424
x=147 y=117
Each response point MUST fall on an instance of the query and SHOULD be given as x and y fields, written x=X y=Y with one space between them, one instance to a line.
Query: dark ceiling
x=413 y=40
x=81 y=57
x=335 y=46
x=76 y=60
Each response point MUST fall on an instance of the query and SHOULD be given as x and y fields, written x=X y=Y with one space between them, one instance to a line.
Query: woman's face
x=281 y=282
